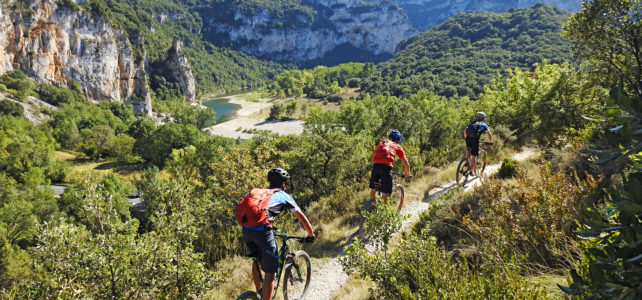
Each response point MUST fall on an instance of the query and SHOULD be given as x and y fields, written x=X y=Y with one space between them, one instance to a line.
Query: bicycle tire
x=249 y=295
x=297 y=276
x=397 y=196
x=481 y=162
x=366 y=207
x=462 y=172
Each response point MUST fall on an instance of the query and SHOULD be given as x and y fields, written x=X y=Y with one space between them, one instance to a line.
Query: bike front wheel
x=462 y=172
x=297 y=276
x=249 y=295
x=397 y=196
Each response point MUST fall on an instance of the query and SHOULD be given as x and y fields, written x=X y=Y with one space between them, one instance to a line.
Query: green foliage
x=382 y=223
x=17 y=84
x=23 y=146
x=462 y=55
x=611 y=261
x=418 y=269
x=547 y=103
x=123 y=263
x=10 y=108
x=96 y=141
x=509 y=168
x=319 y=82
x=531 y=218
x=276 y=111
x=607 y=33
x=165 y=138
x=57 y=95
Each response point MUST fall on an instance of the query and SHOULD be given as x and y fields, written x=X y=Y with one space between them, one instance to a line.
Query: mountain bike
x=294 y=268
x=396 y=197
x=463 y=169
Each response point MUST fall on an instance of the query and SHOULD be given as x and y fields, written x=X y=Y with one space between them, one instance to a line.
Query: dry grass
x=355 y=289
x=237 y=278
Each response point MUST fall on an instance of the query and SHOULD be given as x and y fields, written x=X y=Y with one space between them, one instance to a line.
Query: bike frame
x=284 y=254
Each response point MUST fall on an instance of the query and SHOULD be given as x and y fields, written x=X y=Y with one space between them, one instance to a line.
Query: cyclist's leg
x=268 y=287
x=256 y=272
x=374 y=176
x=473 y=163
x=267 y=256
x=386 y=182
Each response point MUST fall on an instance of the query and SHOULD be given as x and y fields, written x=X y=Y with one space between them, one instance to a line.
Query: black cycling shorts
x=384 y=173
x=473 y=144
x=261 y=244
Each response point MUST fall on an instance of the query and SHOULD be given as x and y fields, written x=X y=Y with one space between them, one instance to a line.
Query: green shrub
x=276 y=111
x=508 y=169
x=418 y=269
x=10 y=108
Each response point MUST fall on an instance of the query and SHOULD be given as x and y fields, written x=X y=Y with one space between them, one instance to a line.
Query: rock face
x=54 y=43
x=312 y=31
x=427 y=13
x=181 y=71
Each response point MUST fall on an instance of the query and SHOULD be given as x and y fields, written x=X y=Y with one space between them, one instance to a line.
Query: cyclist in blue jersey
x=472 y=134
x=260 y=239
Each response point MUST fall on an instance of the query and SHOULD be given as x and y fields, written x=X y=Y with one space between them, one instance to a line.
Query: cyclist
x=472 y=134
x=383 y=159
x=260 y=239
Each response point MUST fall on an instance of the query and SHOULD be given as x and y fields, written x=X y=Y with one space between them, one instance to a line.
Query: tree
x=10 y=108
x=609 y=33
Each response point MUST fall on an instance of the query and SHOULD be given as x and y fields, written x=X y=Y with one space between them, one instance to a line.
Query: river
x=223 y=108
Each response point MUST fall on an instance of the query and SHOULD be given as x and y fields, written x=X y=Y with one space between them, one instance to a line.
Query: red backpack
x=252 y=210
x=385 y=150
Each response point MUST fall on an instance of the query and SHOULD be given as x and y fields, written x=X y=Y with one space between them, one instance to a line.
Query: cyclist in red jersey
x=383 y=159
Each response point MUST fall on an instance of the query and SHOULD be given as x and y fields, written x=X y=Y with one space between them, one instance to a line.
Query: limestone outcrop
x=58 y=43
x=180 y=70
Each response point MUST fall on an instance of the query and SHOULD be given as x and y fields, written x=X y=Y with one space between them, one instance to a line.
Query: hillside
x=463 y=54
x=428 y=13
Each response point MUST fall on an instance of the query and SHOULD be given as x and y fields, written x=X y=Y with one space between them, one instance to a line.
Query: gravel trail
x=330 y=277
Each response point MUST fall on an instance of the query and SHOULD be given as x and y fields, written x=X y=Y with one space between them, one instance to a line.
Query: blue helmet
x=395 y=135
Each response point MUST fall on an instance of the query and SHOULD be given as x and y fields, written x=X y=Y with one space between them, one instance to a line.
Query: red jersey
x=392 y=149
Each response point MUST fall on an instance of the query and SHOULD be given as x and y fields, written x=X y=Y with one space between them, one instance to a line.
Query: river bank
x=252 y=117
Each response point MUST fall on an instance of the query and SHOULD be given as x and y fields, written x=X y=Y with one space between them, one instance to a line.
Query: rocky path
x=330 y=277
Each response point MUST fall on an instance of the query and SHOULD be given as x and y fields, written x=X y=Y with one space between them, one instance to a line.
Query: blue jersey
x=279 y=202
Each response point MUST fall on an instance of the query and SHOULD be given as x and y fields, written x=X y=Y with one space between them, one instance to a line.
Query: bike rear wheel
x=250 y=295
x=462 y=172
x=297 y=276
x=397 y=196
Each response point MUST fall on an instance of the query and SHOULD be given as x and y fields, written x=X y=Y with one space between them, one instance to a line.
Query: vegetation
x=462 y=55
x=486 y=243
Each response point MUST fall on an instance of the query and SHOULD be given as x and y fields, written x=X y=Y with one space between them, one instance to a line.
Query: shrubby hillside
x=464 y=53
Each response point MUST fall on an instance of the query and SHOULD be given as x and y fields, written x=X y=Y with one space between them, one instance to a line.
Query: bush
x=276 y=111
x=57 y=95
x=508 y=169
x=10 y=108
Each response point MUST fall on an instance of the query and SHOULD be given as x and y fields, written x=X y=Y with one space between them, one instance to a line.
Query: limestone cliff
x=311 y=31
x=58 y=43
x=427 y=13
x=181 y=71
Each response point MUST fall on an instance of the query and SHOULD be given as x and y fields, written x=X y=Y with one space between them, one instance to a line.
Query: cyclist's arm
x=465 y=135
x=372 y=157
x=304 y=220
x=406 y=166
x=490 y=135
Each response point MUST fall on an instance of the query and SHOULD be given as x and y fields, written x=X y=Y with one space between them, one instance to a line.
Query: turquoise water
x=224 y=110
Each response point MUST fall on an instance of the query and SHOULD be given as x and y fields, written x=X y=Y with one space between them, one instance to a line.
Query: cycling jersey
x=390 y=161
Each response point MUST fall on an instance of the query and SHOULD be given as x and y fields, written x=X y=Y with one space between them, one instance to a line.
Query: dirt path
x=330 y=277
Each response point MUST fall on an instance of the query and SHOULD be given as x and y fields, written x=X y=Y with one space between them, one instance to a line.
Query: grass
x=79 y=165
x=355 y=289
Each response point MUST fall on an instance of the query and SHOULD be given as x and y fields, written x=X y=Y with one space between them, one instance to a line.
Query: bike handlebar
x=286 y=237
x=486 y=143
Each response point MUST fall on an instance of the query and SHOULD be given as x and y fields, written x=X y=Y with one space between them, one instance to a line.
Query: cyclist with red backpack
x=383 y=159
x=472 y=134
x=256 y=213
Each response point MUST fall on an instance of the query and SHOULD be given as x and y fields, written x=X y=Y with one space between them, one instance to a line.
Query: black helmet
x=480 y=116
x=277 y=175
